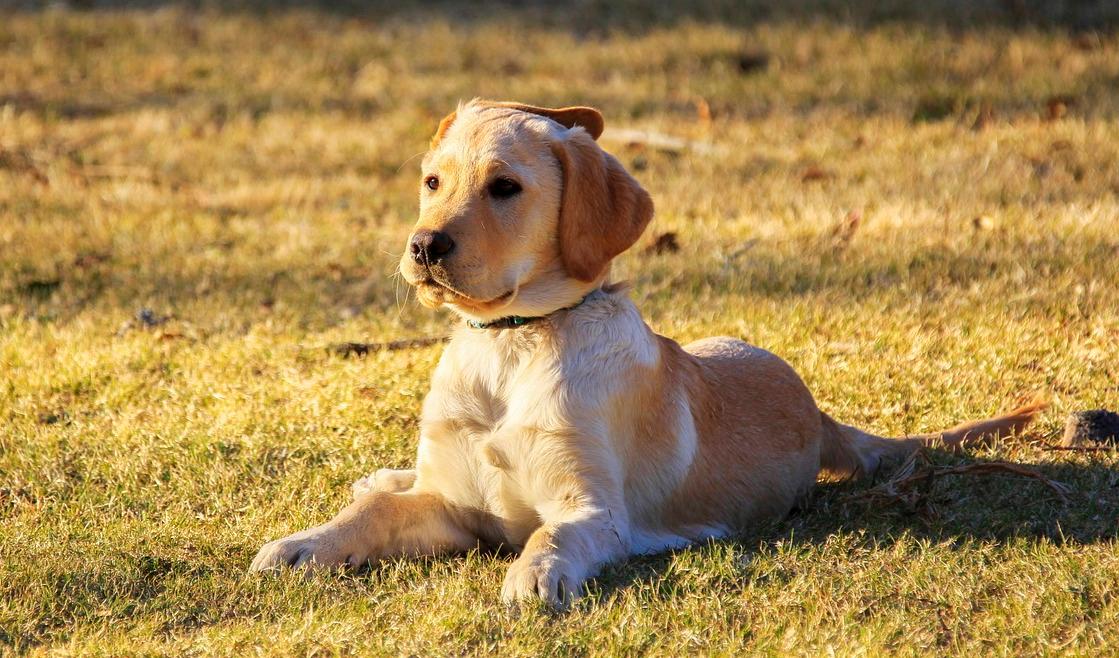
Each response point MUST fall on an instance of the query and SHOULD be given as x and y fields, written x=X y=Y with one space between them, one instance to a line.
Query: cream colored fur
x=584 y=437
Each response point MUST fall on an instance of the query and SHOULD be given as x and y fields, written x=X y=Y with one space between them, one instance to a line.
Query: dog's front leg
x=564 y=552
x=375 y=526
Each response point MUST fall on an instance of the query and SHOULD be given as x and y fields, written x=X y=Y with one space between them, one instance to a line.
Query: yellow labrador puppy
x=558 y=423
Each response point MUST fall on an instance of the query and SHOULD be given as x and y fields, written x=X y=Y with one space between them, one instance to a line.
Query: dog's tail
x=848 y=452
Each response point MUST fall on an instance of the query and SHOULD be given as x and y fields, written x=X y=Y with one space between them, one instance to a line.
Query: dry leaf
x=702 y=110
x=983 y=223
x=814 y=173
x=665 y=243
x=984 y=118
x=1057 y=106
x=844 y=231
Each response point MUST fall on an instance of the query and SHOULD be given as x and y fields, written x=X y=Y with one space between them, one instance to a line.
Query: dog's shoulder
x=607 y=325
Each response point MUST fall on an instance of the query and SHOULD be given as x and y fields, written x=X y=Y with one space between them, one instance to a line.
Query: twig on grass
x=346 y=350
x=660 y=141
x=917 y=473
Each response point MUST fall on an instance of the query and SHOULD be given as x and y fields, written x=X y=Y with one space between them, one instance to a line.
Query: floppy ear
x=444 y=125
x=587 y=118
x=603 y=210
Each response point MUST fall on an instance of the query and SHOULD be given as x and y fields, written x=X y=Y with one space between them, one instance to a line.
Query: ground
x=917 y=208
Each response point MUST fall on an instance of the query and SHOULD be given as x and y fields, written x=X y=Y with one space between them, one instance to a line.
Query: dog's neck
x=560 y=334
x=515 y=321
x=546 y=291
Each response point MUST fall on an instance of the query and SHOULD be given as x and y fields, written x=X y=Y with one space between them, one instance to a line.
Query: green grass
x=252 y=175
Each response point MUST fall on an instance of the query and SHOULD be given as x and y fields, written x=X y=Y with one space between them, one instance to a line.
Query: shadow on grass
x=954 y=511
x=591 y=17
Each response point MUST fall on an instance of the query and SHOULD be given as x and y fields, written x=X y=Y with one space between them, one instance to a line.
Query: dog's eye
x=431 y=183
x=503 y=188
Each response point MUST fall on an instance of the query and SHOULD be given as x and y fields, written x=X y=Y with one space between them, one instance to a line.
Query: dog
x=558 y=423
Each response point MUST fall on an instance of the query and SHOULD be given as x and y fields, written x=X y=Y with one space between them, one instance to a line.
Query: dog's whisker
x=410 y=158
x=398 y=283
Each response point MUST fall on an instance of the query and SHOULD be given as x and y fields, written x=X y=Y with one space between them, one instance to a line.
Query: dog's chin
x=432 y=294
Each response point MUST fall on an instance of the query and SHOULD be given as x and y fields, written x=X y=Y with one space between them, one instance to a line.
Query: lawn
x=917 y=208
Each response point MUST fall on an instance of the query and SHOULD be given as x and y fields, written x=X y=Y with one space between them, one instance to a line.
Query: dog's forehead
x=506 y=121
x=480 y=134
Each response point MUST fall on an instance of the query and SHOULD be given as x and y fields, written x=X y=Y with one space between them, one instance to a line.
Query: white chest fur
x=516 y=420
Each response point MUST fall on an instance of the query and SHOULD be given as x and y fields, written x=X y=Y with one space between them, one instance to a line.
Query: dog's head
x=521 y=211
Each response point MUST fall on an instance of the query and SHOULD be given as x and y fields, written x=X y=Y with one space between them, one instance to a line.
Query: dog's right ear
x=587 y=118
x=603 y=210
x=444 y=126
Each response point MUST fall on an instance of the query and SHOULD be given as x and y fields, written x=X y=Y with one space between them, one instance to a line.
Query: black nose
x=430 y=246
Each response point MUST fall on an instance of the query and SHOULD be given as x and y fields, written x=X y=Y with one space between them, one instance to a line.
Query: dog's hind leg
x=850 y=452
x=389 y=480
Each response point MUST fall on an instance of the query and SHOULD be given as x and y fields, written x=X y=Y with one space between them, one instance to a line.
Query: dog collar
x=504 y=323
x=514 y=321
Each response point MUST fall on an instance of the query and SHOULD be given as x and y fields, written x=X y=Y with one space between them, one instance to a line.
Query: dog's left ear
x=603 y=210
x=444 y=126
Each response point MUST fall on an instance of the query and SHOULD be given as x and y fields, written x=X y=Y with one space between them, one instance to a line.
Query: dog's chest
x=480 y=437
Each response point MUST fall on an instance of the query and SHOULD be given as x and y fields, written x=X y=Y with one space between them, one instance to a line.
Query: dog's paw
x=323 y=547
x=389 y=480
x=545 y=578
x=364 y=485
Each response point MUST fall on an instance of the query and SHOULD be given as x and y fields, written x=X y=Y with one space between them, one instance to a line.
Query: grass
x=917 y=208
